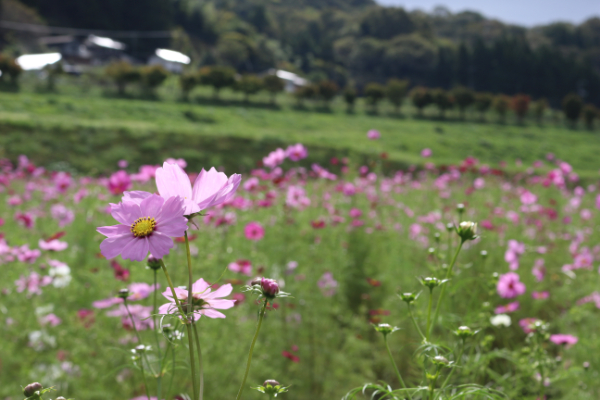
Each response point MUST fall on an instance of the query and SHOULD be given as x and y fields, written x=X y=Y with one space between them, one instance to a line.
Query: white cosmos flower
x=500 y=320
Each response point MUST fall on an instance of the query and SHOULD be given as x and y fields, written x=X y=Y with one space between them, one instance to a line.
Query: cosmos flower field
x=345 y=241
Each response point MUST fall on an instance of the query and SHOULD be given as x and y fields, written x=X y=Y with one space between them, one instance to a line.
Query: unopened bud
x=440 y=360
x=460 y=207
x=153 y=262
x=484 y=254
x=270 y=287
x=60 y=398
x=385 y=329
x=431 y=283
x=464 y=332
x=586 y=365
x=123 y=293
x=32 y=388
x=449 y=227
x=409 y=298
x=467 y=230
x=437 y=237
x=271 y=382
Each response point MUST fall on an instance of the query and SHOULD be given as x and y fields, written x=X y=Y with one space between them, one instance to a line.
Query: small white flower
x=61 y=276
x=500 y=320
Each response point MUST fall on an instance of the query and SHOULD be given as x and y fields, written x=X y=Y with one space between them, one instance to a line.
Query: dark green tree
x=122 y=73
x=501 y=105
x=248 y=85
x=374 y=93
x=443 y=100
x=187 y=82
x=539 y=109
x=464 y=98
x=421 y=97
x=590 y=113
x=483 y=102
x=395 y=91
x=327 y=91
x=218 y=77
x=572 y=106
x=350 y=98
x=273 y=85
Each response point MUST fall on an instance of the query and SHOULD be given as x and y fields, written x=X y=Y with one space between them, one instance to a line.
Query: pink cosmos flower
x=327 y=284
x=509 y=286
x=540 y=295
x=210 y=188
x=63 y=181
x=119 y=182
x=296 y=152
x=204 y=300
x=62 y=214
x=50 y=319
x=53 y=245
x=254 y=231
x=568 y=340
x=514 y=251
x=25 y=219
x=425 y=153
x=241 y=266
x=147 y=225
x=528 y=198
x=274 y=158
x=592 y=298
x=510 y=307
x=355 y=213
x=32 y=283
x=539 y=270
x=373 y=134
x=122 y=163
x=526 y=324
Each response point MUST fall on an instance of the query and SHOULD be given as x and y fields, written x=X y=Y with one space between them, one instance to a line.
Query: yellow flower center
x=143 y=227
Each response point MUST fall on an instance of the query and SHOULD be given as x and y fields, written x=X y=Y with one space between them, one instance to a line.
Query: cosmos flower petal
x=210 y=313
x=151 y=205
x=222 y=304
x=223 y=291
x=200 y=286
x=135 y=196
x=159 y=244
x=136 y=250
x=171 y=180
x=114 y=245
x=114 y=230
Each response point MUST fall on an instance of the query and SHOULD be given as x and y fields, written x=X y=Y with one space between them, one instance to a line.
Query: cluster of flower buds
x=385 y=329
x=467 y=230
x=272 y=388
x=267 y=288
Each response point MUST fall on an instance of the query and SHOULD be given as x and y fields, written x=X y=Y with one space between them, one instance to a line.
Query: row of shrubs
x=395 y=91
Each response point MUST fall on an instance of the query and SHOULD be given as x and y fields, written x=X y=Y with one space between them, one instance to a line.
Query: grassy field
x=96 y=131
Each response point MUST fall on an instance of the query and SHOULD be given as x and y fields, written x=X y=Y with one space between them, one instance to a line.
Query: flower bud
x=467 y=230
x=123 y=294
x=60 y=398
x=440 y=360
x=271 y=382
x=409 y=298
x=449 y=227
x=586 y=365
x=464 y=332
x=385 y=329
x=270 y=287
x=437 y=237
x=153 y=262
x=431 y=250
x=431 y=283
x=460 y=207
x=32 y=388
x=483 y=254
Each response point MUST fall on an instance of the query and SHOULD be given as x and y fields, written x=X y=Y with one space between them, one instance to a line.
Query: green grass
x=91 y=132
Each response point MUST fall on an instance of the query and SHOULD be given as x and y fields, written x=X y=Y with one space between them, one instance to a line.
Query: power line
x=48 y=30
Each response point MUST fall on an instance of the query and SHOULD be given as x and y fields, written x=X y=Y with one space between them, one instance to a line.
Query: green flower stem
x=456 y=361
x=428 y=330
x=189 y=311
x=432 y=384
x=387 y=346
x=439 y=302
x=172 y=368
x=415 y=322
x=160 y=371
x=192 y=359
x=260 y=320
x=200 y=365
x=187 y=325
x=137 y=334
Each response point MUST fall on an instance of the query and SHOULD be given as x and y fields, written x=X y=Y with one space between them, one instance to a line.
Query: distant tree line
x=356 y=42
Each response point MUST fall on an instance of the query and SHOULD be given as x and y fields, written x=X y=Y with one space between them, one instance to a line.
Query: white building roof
x=290 y=76
x=173 y=56
x=106 y=42
x=37 y=61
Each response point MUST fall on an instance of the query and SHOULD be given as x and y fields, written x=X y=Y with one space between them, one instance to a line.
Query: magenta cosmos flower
x=210 y=188
x=373 y=134
x=509 y=285
x=147 y=224
x=204 y=300
x=568 y=340
x=254 y=231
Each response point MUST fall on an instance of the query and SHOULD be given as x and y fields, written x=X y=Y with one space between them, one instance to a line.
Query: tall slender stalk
x=189 y=311
x=200 y=364
x=260 y=320
x=448 y=273
x=137 y=334
x=428 y=329
x=160 y=371
x=456 y=361
x=387 y=346
x=186 y=321
x=415 y=322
